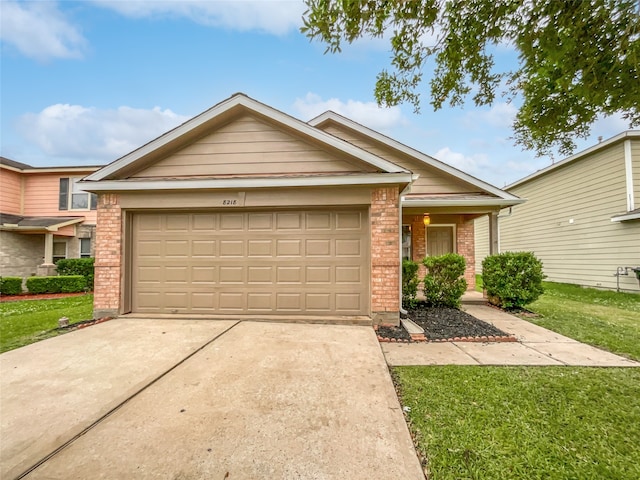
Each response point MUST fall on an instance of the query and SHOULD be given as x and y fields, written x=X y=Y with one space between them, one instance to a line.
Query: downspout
x=501 y=215
x=628 y=169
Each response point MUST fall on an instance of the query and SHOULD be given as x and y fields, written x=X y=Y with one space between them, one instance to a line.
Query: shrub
x=512 y=279
x=57 y=284
x=77 y=266
x=409 y=283
x=444 y=283
x=10 y=285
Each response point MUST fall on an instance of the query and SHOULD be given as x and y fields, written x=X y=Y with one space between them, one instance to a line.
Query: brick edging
x=89 y=324
x=481 y=339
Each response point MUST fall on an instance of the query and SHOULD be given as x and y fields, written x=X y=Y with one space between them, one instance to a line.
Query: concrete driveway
x=182 y=399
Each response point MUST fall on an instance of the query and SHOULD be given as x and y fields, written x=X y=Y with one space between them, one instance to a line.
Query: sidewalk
x=535 y=346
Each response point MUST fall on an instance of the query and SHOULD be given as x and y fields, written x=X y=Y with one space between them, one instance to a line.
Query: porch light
x=426 y=219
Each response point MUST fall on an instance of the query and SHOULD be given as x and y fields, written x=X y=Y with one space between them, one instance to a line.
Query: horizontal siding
x=42 y=194
x=431 y=179
x=248 y=146
x=11 y=192
x=481 y=229
x=566 y=222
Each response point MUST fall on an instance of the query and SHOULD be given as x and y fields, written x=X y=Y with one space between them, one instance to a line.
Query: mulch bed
x=441 y=324
x=37 y=296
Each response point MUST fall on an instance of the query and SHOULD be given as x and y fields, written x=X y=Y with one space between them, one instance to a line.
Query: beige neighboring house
x=245 y=211
x=581 y=217
x=44 y=217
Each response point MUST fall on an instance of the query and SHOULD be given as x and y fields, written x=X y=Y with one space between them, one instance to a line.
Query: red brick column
x=466 y=247
x=385 y=255
x=419 y=244
x=108 y=268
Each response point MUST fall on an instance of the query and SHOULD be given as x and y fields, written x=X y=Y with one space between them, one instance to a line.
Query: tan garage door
x=286 y=262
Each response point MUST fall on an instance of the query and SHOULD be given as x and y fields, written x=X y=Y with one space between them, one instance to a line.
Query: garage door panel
x=287 y=262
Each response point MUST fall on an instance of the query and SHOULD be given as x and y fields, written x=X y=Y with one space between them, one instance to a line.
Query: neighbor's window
x=59 y=250
x=85 y=248
x=72 y=197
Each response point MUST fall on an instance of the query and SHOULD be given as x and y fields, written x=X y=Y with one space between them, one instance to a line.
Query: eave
x=245 y=183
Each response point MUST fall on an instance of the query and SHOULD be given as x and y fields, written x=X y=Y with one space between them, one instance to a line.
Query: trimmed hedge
x=512 y=279
x=409 y=283
x=444 y=283
x=58 y=284
x=10 y=285
x=77 y=266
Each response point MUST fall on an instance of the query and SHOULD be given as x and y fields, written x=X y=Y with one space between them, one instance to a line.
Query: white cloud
x=366 y=113
x=271 y=16
x=39 y=30
x=500 y=115
x=91 y=134
x=471 y=164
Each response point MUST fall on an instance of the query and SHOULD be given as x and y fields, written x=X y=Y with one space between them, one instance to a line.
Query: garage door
x=286 y=262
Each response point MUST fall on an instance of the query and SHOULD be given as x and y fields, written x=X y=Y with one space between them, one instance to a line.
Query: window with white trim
x=72 y=197
x=85 y=248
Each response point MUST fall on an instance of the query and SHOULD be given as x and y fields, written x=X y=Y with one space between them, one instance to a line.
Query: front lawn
x=524 y=422
x=605 y=319
x=28 y=321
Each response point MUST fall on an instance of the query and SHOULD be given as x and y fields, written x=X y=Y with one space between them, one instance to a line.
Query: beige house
x=44 y=217
x=244 y=210
x=581 y=217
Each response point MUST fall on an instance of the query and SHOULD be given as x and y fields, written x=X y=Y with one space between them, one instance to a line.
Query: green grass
x=524 y=422
x=605 y=319
x=28 y=321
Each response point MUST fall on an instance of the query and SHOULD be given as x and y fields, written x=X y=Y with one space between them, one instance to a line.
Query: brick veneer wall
x=385 y=255
x=108 y=248
x=466 y=247
x=419 y=244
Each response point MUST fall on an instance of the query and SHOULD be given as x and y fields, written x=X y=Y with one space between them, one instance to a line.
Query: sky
x=85 y=82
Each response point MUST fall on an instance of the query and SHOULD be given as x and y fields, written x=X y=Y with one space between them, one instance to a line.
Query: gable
x=431 y=181
x=249 y=145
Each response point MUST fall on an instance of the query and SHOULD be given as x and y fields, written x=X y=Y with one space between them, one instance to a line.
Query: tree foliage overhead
x=578 y=59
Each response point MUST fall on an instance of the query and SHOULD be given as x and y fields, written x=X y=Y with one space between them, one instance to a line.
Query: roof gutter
x=499 y=202
x=227 y=183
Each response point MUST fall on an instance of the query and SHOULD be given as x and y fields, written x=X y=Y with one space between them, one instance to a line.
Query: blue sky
x=84 y=82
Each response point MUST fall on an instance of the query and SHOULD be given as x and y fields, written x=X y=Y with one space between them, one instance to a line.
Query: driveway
x=142 y=398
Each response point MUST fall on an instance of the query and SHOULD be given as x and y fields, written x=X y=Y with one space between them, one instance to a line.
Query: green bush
x=10 y=285
x=57 y=284
x=77 y=266
x=512 y=279
x=444 y=283
x=409 y=283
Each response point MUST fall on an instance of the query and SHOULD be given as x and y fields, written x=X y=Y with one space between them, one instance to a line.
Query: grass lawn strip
x=28 y=321
x=524 y=422
x=604 y=319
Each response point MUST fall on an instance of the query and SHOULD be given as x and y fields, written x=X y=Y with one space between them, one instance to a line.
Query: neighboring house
x=244 y=210
x=44 y=216
x=581 y=216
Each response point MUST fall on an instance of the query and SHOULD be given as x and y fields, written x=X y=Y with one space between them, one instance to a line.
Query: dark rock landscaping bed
x=444 y=324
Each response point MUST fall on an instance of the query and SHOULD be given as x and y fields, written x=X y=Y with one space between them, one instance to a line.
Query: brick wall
x=466 y=247
x=385 y=255
x=419 y=243
x=108 y=248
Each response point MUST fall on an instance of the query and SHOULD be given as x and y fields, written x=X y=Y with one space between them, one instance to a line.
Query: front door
x=439 y=240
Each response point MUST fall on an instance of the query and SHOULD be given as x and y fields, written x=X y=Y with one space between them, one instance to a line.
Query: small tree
x=444 y=283
x=512 y=279
x=409 y=283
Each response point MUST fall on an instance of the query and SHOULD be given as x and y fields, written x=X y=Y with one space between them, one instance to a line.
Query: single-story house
x=581 y=217
x=44 y=217
x=244 y=210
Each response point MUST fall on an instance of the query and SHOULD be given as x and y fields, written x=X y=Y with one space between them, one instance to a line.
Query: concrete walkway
x=183 y=399
x=535 y=346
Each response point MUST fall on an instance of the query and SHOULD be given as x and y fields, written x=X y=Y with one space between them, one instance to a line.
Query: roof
x=629 y=134
x=50 y=224
x=25 y=168
x=504 y=197
x=12 y=163
x=222 y=112
x=627 y=216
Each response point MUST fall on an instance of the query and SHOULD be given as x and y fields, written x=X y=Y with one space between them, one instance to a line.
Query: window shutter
x=93 y=201
x=63 y=202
